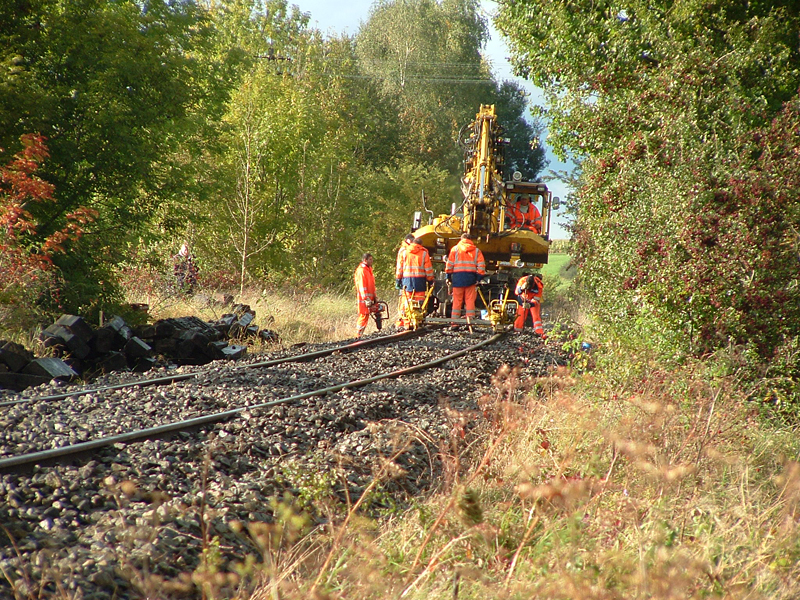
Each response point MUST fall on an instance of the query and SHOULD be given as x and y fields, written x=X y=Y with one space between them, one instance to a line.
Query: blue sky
x=334 y=17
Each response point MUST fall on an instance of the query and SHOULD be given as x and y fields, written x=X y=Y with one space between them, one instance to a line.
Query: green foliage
x=394 y=194
x=684 y=119
x=112 y=86
x=524 y=153
x=276 y=153
x=313 y=488
x=778 y=389
x=425 y=57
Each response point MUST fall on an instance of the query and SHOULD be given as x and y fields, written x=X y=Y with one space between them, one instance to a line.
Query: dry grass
x=646 y=485
x=297 y=317
x=637 y=484
x=670 y=489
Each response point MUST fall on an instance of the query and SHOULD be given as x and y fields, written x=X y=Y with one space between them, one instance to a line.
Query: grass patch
x=558 y=273
x=313 y=317
x=665 y=488
x=559 y=304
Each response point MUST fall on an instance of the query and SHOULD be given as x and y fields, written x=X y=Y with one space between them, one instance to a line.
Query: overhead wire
x=424 y=79
x=470 y=72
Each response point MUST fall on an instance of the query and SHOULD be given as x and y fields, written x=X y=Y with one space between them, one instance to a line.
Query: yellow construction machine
x=485 y=215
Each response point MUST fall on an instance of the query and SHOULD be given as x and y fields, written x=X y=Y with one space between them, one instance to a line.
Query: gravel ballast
x=105 y=526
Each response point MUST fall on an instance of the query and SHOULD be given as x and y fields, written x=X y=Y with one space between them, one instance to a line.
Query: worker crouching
x=529 y=292
x=465 y=266
x=413 y=275
x=365 y=292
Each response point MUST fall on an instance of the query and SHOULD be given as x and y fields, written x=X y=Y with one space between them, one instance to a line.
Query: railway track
x=237 y=435
x=167 y=379
x=14 y=463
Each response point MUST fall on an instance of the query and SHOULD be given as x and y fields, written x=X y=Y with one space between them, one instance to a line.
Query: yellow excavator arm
x=486 y=199
x=482 y=184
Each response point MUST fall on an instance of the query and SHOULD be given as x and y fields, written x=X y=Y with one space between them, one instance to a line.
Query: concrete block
x=77 y=326
x=269 y=336
x=20 y=381
x=136 y=348
x=14 y=355
x=113 y=361
x=53 y=368
x=143 y=364
x=234 y=352
x=63 y=340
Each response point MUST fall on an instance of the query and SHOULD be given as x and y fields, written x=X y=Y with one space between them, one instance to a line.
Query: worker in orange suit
x=401 y=253
x=529 y=293
x=414 y=275
x=465 y=266
x=525 y=215
x=365 y=292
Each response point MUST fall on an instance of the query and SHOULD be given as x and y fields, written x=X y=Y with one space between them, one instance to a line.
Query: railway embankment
x=133 y=520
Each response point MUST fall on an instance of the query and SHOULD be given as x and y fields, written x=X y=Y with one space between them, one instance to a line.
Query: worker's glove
x=398 y=284
x=368 y=303
x=483 y=281
x=375 y=308
x=526 y=304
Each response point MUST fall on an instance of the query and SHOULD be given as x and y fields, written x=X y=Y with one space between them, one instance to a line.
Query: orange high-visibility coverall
x=414 y=275
x=365 y=292
x=531 y=220
x=531 y=297
x=465 y=265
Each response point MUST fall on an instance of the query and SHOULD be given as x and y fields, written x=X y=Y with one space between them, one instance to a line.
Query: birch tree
x=254 y=197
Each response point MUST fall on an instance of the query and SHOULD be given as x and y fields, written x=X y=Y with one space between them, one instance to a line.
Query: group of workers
x=465 y=268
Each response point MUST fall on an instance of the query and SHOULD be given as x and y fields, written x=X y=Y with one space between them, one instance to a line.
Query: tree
x=524 y=153
x=249 y=206
x=264 y=135
x=26 y=259
x=670 y=108
x=426 y=57
x=112 y=86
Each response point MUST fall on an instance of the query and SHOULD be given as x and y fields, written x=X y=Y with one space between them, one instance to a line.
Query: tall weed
x=667 y=487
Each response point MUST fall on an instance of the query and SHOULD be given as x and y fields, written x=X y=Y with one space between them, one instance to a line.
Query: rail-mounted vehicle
x=485 y=214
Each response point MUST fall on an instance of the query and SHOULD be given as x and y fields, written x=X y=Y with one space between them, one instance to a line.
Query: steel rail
x=184 y=376
x=53 y=455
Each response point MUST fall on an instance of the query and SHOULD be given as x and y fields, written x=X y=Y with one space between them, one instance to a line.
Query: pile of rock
x=80 y=350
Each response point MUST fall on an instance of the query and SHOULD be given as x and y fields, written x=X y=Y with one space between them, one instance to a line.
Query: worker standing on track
x=414 y=275
x=529 y=292
x=365 y=292
x=465 y=266
x=401 y=253
x=525 y=215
